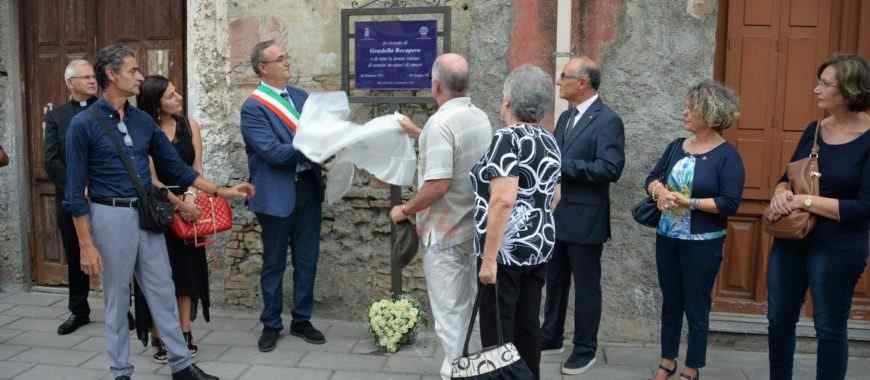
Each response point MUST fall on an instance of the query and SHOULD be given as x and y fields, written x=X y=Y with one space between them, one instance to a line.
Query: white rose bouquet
x=394 y=323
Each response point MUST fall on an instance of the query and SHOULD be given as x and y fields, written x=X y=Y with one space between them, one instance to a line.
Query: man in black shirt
x=82 y=84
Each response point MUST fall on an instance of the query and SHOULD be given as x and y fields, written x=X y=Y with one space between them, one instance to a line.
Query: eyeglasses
x=84 y=77
x=562 y=76
x=281 y=58
x=824 y=83
x=128 y=141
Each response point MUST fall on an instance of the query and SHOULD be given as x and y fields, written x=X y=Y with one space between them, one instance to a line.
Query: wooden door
x=771 y=51
x=49 y=45
x=56 y=32
x=155 y=28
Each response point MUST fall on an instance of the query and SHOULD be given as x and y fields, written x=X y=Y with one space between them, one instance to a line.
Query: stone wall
x=658 y=50
x=354 y=261
x=651 y=52
x=13 y=270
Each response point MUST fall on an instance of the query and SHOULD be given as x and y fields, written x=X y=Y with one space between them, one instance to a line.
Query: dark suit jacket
x=593 y=156
x=56 y=122
x=271 y=157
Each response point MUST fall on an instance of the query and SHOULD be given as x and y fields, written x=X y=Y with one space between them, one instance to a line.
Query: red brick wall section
x=533 y=38
x=596 y=25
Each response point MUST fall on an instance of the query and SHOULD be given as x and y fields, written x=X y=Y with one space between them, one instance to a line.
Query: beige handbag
x=803 y=178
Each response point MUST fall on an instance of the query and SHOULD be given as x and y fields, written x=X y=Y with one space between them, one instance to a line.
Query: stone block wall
x=354 y=263
x=12 y=266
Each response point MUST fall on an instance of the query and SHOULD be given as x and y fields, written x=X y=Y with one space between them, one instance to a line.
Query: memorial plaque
x=395 y=55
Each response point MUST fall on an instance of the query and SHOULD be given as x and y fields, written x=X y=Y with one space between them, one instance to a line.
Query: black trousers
x=583 y=262
x=79 y=282
x=519 y=300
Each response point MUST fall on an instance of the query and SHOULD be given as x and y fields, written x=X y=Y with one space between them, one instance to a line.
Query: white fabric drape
x=380 y=146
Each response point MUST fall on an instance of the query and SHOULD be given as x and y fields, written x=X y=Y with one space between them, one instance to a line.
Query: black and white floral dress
x=530 y=153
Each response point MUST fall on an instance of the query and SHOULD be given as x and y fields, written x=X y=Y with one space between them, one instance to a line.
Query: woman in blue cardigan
x=832 y=257
x=703 y=188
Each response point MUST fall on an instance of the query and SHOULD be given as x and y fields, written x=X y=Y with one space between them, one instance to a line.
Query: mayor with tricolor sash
x=289 y=196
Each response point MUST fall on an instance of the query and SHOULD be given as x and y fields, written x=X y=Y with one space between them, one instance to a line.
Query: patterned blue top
x=677 y=223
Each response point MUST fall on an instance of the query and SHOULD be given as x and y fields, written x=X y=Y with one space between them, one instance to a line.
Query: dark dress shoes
x=268 y=339
x=125 y=377
x=193 y=373
x=72 y=324
x=307 y=332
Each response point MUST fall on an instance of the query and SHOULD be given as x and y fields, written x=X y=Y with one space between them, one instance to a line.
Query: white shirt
x=581 y=109
x=277 y=90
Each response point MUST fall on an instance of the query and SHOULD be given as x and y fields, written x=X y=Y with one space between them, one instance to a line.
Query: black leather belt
x=116 y=202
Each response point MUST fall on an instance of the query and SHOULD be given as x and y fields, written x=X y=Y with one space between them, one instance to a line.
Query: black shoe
x=306 y=331
x=268 y=339
x=72 y=324
x=160 y=355
x=193 y=373
x=125 y=377
x=188 y=338
x=577 y=364
x=552 y=347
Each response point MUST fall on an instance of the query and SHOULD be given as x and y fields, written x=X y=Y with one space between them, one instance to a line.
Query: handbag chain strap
x=116 y=142
x=474 y=317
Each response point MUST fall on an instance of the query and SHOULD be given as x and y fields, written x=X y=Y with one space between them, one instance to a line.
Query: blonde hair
x=716 y=104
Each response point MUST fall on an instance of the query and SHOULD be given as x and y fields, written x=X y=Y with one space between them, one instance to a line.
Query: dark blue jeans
x=830 y=274
x=687 y=271
x=301 y=231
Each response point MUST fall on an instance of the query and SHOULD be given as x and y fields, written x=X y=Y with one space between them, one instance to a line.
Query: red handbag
x=215 y=216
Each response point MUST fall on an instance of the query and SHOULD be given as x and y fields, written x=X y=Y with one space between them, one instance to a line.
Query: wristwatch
x=808 y=203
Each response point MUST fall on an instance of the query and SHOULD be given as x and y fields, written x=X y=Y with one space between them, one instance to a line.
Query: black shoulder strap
x=116 y=142
x=672 y=151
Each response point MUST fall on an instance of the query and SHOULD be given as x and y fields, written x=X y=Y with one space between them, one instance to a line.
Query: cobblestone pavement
x=31 y=349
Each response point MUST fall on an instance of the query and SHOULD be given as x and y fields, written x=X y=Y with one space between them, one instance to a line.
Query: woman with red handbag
x=159 y=98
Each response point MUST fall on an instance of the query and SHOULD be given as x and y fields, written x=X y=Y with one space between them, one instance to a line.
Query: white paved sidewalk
x=31 y=349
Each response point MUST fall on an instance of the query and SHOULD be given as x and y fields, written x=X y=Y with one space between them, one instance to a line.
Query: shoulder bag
x=646 y=212
x=155 y=211
x=803 y=178
x=502 y=362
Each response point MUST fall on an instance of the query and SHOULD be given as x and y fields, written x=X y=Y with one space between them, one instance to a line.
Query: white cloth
x=379 y=147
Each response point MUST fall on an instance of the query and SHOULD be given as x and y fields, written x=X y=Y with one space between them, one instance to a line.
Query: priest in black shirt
x=82 y=84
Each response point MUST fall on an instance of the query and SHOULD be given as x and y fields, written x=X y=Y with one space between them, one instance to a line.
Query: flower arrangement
x=395 y=322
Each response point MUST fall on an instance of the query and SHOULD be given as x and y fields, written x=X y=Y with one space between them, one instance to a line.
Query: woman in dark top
x=703 y=188
x=832 y=257
x=516 y=188
x=189 y=268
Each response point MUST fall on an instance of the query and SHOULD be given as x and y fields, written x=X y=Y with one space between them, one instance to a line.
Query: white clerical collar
x=279 y=91
x=583 y=107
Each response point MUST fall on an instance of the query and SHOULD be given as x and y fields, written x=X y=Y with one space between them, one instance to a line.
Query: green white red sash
x=283 y=108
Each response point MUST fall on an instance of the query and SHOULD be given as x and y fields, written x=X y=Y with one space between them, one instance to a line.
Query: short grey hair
x=716 y=104
x=530 y=92
x=456 y=82
x=111 y=56
x=257 y=55
x=70 y=70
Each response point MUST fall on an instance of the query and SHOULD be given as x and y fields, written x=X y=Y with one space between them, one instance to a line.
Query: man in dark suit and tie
x=288 y=198
x=591 y=138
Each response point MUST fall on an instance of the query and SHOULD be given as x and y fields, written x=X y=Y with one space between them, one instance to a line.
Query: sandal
x=669 y=371
x=684 y=376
